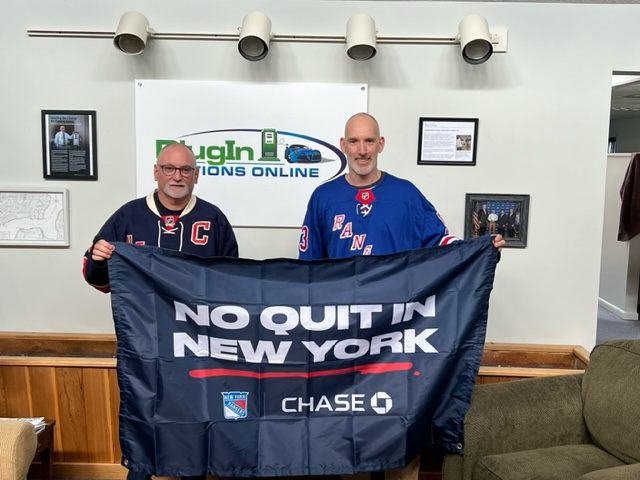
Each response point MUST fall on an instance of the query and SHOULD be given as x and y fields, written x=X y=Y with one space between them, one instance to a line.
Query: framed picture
x=489 y=214
x=69 y=145
x=34 y=217
x=447 y=141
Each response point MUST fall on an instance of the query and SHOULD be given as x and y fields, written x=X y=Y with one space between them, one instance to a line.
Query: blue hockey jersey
x=200 y=229
x=388 y=217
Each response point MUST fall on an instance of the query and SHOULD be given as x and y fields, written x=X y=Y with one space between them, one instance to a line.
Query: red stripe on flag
x=364 y=369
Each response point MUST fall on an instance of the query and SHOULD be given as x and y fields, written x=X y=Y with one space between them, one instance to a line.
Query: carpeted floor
x=610 y=326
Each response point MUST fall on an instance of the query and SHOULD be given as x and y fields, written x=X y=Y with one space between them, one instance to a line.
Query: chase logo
x=381 y=403
x=235 y=404
x=266 y=152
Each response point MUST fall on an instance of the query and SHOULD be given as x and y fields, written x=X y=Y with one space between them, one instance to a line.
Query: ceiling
x=625 y=96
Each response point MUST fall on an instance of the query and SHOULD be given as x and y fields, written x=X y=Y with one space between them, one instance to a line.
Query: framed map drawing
x=32 y=217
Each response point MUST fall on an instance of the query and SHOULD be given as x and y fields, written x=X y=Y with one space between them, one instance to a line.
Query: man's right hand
x=101 y=251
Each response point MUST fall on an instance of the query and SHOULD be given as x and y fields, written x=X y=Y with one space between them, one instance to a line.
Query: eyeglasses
x=170 y=170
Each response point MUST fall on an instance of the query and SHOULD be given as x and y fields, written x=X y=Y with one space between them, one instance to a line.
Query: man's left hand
x=498 y=242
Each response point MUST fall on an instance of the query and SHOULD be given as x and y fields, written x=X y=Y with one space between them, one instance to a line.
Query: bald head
x=362 y=117
x=177 y=149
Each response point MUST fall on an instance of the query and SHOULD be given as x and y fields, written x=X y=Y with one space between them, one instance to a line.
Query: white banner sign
x=261 y=148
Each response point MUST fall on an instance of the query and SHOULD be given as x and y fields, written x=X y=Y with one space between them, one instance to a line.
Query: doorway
x=620 y=261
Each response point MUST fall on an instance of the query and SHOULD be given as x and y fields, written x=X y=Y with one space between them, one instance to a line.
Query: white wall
x=543 y=108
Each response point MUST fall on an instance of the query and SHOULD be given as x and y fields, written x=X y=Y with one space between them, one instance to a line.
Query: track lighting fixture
x=361 y=37
x=476 y=42
x=131 y=34
x=475 y=39
x=255 y=34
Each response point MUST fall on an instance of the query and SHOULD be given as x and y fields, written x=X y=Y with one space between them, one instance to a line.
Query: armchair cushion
x=616 y=473
x=18 y=443
x=554 y=463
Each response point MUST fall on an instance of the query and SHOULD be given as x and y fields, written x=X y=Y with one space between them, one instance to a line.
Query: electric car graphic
x=301 y=153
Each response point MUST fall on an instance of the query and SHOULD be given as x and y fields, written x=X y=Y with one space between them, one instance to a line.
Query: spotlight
x=255 y=34
x=132 y=32
x=475 y=39
x=361 y=37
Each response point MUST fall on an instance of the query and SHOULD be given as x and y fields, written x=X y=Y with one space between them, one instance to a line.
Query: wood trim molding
x=522 y=372
x=89 y=470
x=57 y=344
x=85 y=362
x=534 y=347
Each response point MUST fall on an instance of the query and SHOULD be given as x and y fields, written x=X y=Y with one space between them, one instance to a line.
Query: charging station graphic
x=269 y=144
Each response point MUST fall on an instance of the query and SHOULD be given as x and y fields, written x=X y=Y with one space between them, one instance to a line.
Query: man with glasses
x=170 y=217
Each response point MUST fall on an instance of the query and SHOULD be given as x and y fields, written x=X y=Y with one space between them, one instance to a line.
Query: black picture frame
x=513 y=229
x=447 y=141
x=69 y=148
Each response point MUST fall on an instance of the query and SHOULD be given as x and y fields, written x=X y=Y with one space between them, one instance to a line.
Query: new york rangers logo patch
x=363 y=210
x=365 y=196
x=235 y=404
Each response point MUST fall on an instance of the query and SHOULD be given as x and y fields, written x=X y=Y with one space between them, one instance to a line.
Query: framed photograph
x=69 y=145
x=34 y=217
x=447 y=141
x=489 y=214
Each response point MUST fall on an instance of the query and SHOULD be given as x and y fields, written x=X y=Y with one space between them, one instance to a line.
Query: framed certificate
x=69 y=145
x=447 y=141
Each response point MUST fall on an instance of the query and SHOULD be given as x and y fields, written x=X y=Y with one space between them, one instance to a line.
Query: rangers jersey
x=387 y=217
x=199 y=229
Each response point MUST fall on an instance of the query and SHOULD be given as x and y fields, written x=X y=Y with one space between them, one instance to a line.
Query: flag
x=474 y=219
x=281 y=367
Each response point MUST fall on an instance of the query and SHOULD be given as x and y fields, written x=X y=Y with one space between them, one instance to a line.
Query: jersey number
x=304 y=239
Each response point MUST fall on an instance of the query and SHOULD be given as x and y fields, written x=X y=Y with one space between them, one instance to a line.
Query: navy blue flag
x=241 y=367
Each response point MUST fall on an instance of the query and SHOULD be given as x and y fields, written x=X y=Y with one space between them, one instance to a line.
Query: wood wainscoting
x=72 y=378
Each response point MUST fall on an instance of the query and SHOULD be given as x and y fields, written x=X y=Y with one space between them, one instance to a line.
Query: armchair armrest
x=18 y=443
x=519 y=415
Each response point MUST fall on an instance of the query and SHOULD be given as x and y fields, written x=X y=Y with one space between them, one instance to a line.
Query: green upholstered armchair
x=18 y=443
x=565 y=427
